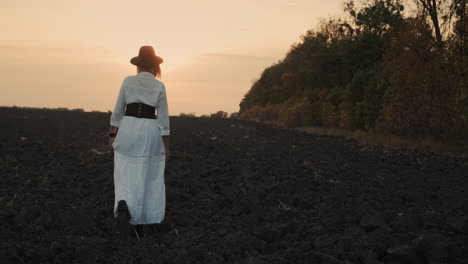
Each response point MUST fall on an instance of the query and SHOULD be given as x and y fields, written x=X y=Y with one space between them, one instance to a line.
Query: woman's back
x=141 y=137
x=143 y=88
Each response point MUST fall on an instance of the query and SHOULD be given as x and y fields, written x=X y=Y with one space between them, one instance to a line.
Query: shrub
x=191 y=114
x=219 y=114
x=234 y=115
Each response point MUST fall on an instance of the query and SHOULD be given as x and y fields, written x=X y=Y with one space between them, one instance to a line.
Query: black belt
x=140 y=110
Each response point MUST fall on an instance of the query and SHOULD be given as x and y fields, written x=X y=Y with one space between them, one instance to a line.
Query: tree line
x=381 y=69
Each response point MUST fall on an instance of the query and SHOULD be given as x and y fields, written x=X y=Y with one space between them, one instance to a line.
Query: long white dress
x=139 y=153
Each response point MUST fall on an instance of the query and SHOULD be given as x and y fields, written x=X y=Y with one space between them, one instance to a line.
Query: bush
x=234 y=115
x=191 y=114
x=219 y=114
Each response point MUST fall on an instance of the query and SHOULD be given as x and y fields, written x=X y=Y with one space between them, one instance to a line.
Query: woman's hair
x=156 y=71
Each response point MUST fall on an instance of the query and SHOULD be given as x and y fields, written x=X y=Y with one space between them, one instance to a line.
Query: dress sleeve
x=163 y=114
x=119 y=108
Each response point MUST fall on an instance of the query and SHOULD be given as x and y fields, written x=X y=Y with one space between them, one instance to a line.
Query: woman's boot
x=123 y=218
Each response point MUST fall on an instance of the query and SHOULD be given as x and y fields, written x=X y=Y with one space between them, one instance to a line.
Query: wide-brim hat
x=146 y=58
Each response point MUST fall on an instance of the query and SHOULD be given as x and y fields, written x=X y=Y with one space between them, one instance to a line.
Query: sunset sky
x=75 y=54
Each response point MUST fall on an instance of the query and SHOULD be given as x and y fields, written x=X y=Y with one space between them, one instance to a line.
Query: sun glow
x=212 y=50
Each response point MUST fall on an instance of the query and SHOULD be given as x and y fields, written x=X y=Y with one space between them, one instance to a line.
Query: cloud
x=226 y=28
x=58 y=49
x=219 y=67
x=53 y=54
x=232 y=56
x=22 y=4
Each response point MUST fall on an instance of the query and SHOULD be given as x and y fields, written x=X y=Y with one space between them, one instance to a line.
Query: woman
x=141 y=144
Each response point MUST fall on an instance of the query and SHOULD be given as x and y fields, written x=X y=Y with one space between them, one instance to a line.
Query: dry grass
x=387 y=141
x=391 y=141
x=326 y=131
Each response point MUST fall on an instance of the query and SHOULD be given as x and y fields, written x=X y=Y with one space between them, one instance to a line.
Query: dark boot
x=123 y=218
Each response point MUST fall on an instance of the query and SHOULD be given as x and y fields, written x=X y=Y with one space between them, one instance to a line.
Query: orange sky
x=68 y=53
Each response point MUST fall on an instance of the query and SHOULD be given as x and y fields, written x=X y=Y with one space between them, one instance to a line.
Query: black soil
x=237 y=192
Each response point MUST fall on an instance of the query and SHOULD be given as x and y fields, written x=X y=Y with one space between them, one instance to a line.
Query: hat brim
x=146 y=62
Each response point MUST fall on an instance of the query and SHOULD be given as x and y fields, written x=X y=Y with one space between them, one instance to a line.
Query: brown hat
x=146 y=58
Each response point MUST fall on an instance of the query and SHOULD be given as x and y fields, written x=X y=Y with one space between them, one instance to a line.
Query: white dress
x=139 y=153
